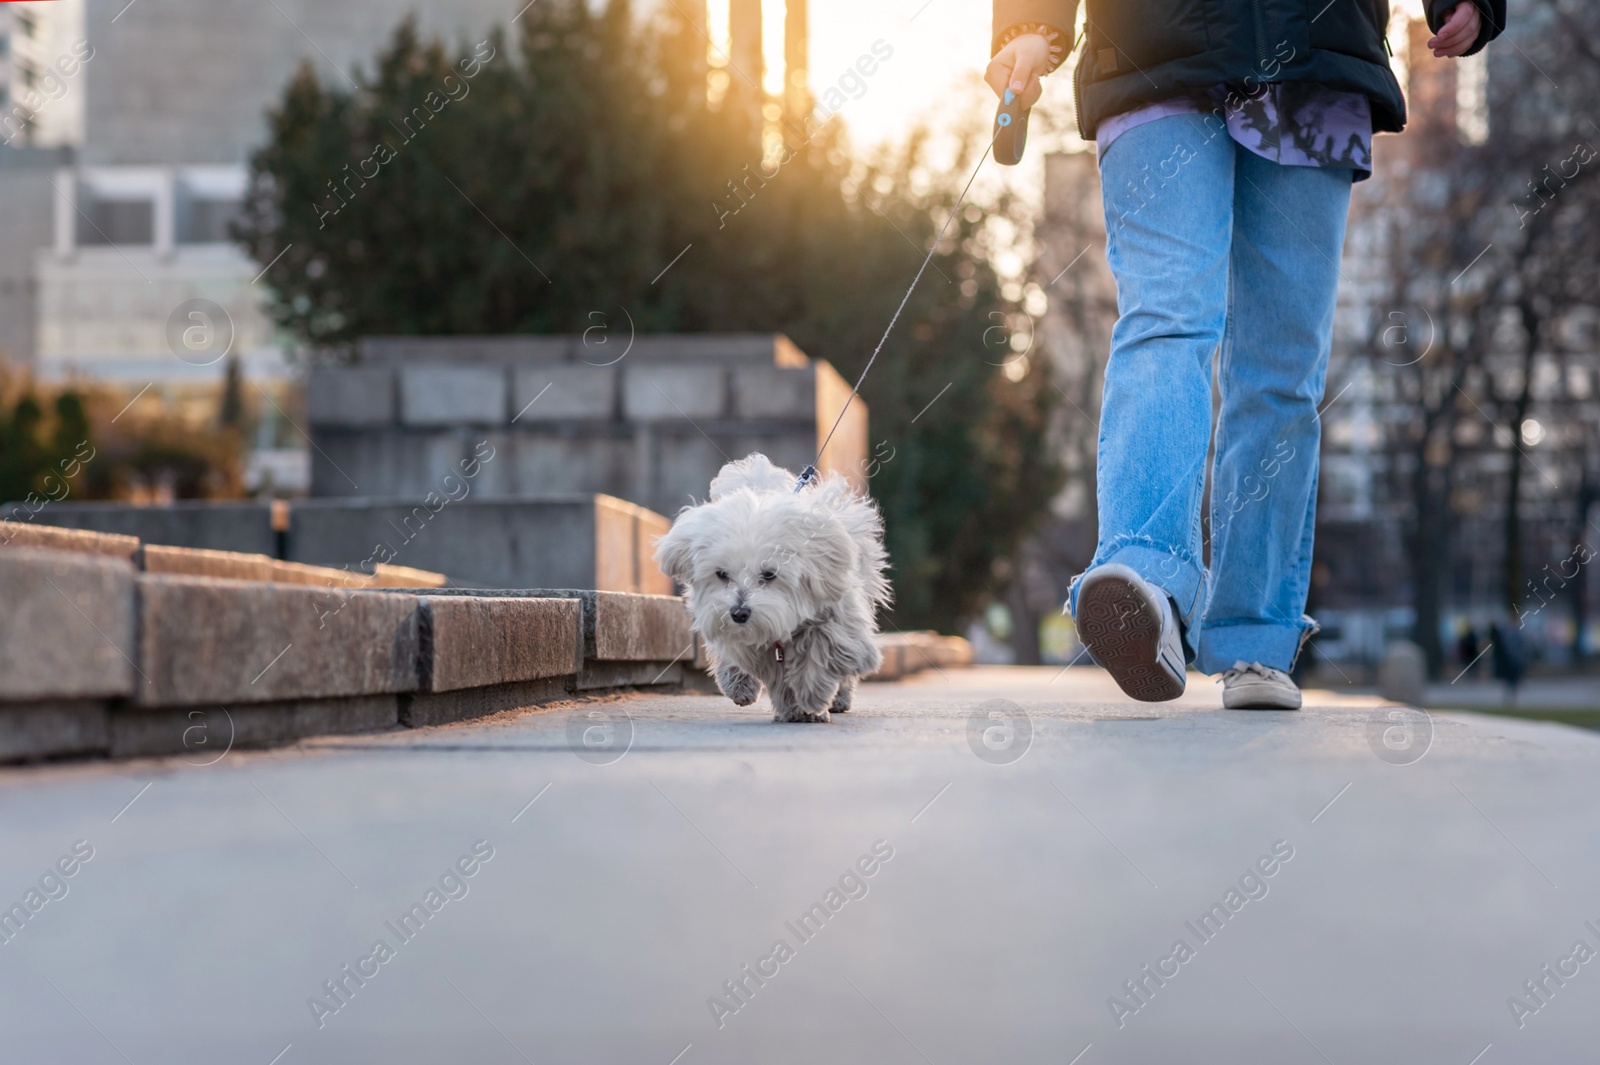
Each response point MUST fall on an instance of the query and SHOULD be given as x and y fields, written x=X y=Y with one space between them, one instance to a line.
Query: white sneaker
x=1130 y=628
x=1253 y=686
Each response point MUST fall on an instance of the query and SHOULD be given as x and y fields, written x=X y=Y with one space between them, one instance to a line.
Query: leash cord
x=810 y=472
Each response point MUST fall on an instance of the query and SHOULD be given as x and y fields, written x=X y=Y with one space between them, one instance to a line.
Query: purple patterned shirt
x=1292 y=123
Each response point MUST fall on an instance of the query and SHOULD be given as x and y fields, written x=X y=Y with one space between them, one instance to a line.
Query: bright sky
x=934 y=76
x=940 y=50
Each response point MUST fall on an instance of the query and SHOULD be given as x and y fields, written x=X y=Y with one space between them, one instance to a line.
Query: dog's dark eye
x=768 y=575
x=722 y=574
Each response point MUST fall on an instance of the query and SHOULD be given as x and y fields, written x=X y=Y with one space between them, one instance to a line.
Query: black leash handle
x=1010 y=130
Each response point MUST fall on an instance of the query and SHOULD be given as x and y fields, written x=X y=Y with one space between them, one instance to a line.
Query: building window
x=204 y=220
x=111 y=221
x=25 y=24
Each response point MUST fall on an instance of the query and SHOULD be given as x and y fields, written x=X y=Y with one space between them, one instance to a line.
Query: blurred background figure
x=1510 y=657
x=1467 y=649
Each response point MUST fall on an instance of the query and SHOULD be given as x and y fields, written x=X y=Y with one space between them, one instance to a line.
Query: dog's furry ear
x=830 y=559
x=862 y=520
x=756 y=472
x=675 y=549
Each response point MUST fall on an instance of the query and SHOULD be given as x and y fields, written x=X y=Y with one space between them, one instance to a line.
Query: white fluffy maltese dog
x=784 y=587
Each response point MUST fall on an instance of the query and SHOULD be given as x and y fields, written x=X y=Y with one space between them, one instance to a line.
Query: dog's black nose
x=740 y=614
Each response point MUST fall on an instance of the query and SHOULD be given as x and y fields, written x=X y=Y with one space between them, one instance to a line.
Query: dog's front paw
x=844 y=696
x=737 y=685
x=796 y=716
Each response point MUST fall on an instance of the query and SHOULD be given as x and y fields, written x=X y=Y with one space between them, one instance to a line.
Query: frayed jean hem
x=1275 y=644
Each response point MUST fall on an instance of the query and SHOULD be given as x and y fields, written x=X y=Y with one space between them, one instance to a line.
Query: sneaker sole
x=1122 y=630
x=1248 y=700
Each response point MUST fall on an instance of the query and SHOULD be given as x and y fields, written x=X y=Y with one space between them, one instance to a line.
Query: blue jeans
x=1214 y=247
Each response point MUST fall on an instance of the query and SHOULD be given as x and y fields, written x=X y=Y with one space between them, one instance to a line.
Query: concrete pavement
x=984 y=865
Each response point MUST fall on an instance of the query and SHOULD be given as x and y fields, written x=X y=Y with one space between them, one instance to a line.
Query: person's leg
x=1289 y=226
x=1168 y=191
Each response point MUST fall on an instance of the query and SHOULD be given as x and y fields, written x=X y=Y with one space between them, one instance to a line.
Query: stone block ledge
x=100 y=659
x=905 y=653
x=204 y=561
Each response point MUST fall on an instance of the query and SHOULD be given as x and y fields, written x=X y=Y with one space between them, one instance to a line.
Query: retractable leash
x=1010 y=137
x=1010 y=130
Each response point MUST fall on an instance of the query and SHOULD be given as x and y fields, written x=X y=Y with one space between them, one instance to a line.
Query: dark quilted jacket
x=1141 y=51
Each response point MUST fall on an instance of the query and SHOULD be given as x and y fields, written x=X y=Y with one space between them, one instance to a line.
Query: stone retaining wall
x=582 y=541
x=223 y=526
x=649 y=418
x=110 y=647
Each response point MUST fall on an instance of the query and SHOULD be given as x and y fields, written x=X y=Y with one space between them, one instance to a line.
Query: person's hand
x=1457 y=33
x=1018 y=67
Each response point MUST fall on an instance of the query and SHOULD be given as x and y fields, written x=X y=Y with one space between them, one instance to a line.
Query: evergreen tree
x=35 y=462
x=71 y=430
x=22 y=455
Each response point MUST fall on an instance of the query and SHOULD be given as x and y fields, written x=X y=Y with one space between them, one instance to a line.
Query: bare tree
x=1489 y=258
